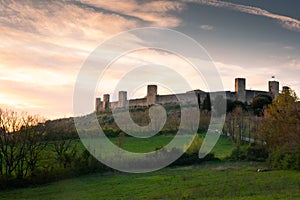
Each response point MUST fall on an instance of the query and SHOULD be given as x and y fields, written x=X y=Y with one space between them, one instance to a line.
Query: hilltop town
x=240 y=94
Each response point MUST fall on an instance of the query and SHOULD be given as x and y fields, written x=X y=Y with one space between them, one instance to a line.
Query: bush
x=195 y=145
x=256 y=152
x=190 y=159
x=285 y=160
x=112 y=132
x=238 y=153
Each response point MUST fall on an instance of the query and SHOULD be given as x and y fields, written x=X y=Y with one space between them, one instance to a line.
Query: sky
x=44 y=44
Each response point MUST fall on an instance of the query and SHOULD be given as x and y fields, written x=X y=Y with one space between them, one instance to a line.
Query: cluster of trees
x=271 y=126
x=280 y=131
x=31 y=152
x=20 y=143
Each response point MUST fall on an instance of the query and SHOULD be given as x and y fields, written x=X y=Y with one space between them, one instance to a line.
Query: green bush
x=285 y=160
x=256 y=152
x=112 y=132
x=238 y=153
x=190 y=159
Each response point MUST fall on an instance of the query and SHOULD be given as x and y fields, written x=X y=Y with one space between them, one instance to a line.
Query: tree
x=235 y=124
x=280 y=128
x=259 y=103
x=121 y=139
x=65 y=149
x=20 y=143
x=231 y=105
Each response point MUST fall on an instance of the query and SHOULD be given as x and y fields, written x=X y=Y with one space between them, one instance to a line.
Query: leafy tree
x=65 y=149
x=280 y=128
x=231 y=105
x=260 y=102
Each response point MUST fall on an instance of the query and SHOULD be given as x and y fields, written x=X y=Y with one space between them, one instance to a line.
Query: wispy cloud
x=153 y=13
x=286 y=22
x=206 y=27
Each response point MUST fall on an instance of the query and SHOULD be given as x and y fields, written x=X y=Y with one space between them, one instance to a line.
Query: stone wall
x=163 y=99
x=240 y=94
x=138 y=102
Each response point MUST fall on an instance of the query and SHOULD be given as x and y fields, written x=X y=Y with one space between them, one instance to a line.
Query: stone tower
x=122 y=99
x=274 y=88
x=105 y=104
x=240 y=89
x=98 y=105
x=285 y=89
x=151 y=94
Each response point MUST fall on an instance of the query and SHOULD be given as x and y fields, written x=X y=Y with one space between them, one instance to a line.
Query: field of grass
x=218 y=180
x=221 y=150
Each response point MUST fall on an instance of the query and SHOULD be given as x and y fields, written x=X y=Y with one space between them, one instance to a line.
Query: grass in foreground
x=208 y=181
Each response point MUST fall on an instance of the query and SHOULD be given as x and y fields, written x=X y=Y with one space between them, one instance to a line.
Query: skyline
x=44 y=43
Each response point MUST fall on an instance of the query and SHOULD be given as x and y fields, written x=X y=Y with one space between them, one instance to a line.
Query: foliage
x=255 y=152
x=238 y=153
x=232 y=105
x=250 y=152
x=284 y=160
x=280 y=129
x=260 y=102
x=121 y=139
x=194 y=147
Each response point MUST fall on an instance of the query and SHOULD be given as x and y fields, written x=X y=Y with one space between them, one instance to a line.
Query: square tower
x=98 y=106
x=105 y=104
x=274 y=88
x=122 y=99
x=151 y=94
x=240 y=89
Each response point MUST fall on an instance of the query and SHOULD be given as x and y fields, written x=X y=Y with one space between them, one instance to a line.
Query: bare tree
x=19 y=143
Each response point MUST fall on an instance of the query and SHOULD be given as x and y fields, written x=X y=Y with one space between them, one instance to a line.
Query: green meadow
x=210 y=180
x=221 y=150
x=213 y=180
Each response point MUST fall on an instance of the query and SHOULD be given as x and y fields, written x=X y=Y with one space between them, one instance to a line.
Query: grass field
x=222 y=148
x=219 y=180
x=211 y=180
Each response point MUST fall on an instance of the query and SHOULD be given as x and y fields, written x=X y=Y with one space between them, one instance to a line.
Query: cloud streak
x=285 y=21
x=206 y=27
x=154 y=13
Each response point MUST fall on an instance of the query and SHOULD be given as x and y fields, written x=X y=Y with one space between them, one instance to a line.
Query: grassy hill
x=215 y=180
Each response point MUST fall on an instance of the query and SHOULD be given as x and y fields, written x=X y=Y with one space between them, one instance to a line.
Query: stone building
x=152 y=97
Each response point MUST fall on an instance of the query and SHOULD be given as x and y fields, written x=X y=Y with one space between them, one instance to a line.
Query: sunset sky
x=43 y=44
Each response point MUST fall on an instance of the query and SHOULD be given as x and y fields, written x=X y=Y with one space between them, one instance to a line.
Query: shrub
x=256 y=152
x=195 y=145
x=285 y=160
x=190 y=159
x=238 y=153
